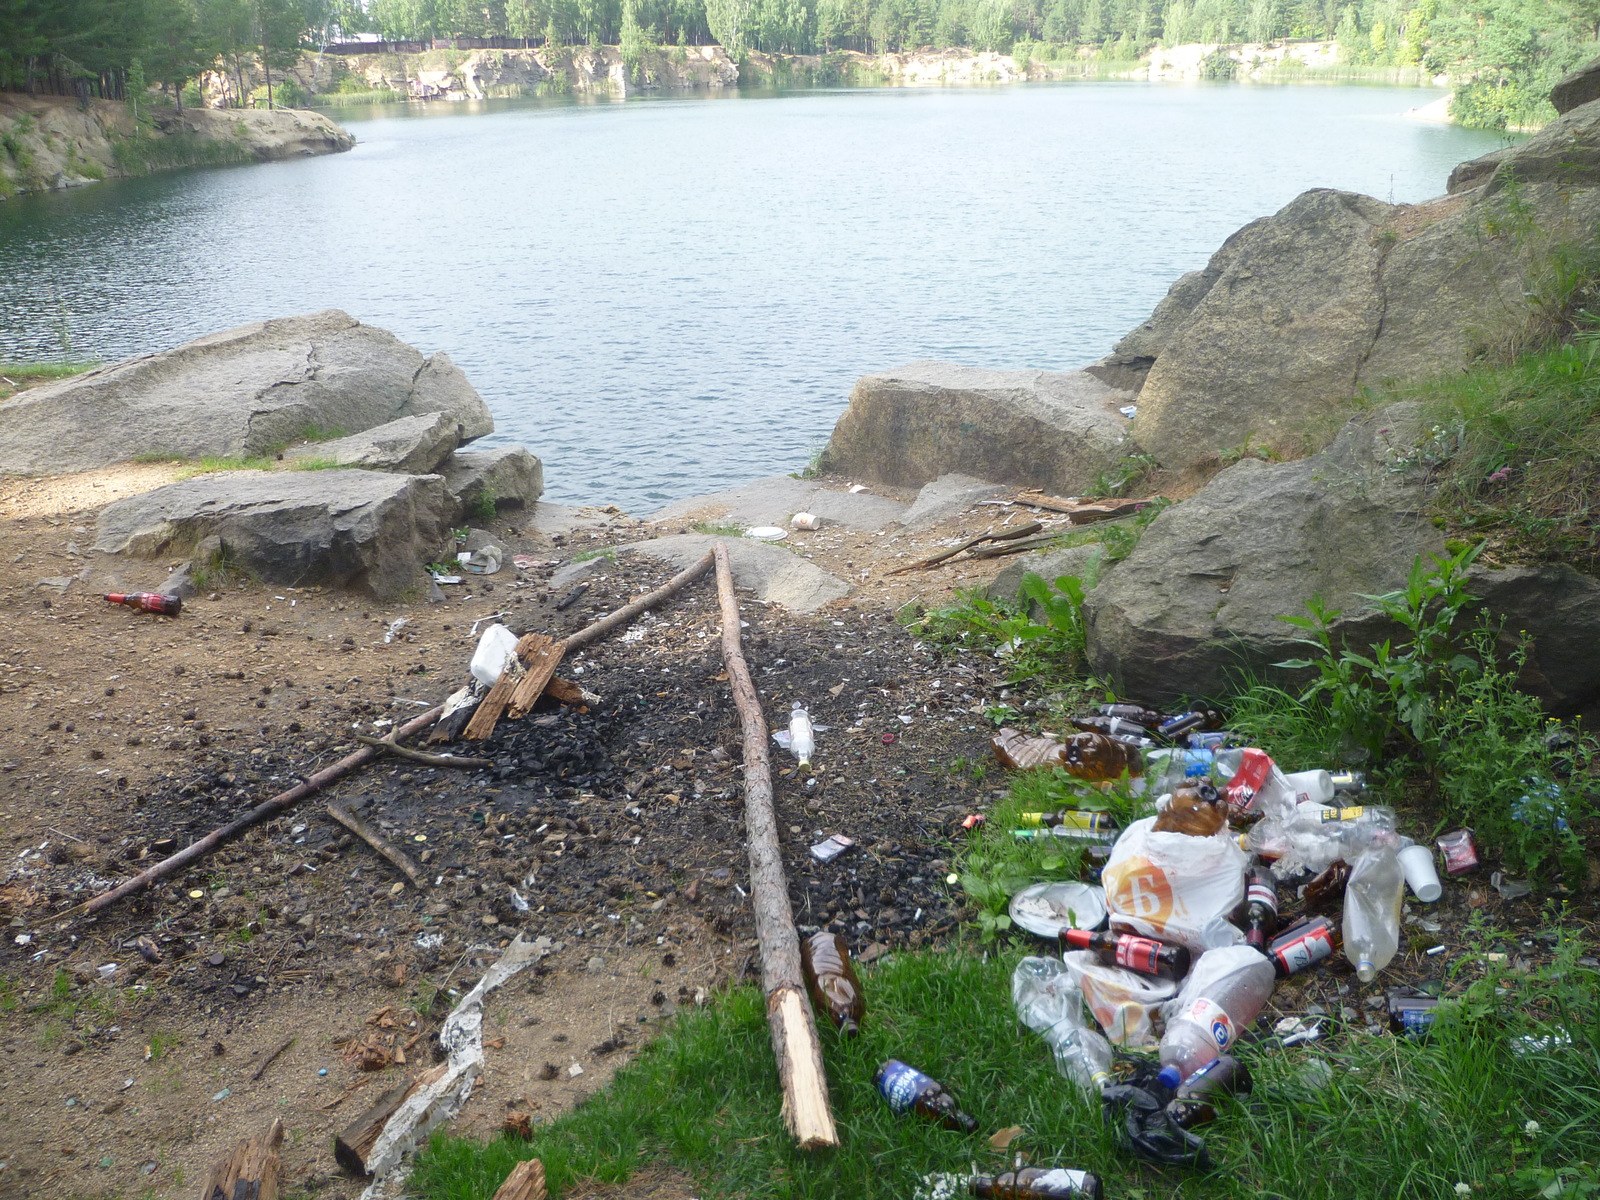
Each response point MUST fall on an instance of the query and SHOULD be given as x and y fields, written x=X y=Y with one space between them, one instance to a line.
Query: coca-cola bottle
x=831 y=980
x=1037 y=1183
x=909 y=1090
x=167 y=606
x=1142 y=954
x=1309 y=942
x=1194 y=1101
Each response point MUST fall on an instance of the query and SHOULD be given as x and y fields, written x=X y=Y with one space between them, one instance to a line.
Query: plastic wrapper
x=1175 y=887
x=1123 y=1002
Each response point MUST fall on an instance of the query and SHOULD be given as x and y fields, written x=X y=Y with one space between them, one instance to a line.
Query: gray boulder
x=1579 y=87
x=1298 y=312
x=1200 y=597
x=1046 y=429
x=509 y=476
x=948 y=496
x=415 y=445
x=1565 y=152
x=1084 y=562
x=244 y=391
x=364 y=529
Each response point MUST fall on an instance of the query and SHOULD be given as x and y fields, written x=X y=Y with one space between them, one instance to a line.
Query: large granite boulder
x=1565 y=152
x=365 y=529
x=506 y=476
x=1579 y=87
x=1047 y=429
x=1201 y=596
x=245 y=391
x=1298 y=312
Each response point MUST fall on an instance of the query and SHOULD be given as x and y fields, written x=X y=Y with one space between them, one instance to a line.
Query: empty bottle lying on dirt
x=1194 y=1101
x=909 y=1090
x=1117 y=727
x=1372 y=910
x=1048 y=1003
x=1037 y=1183
x=1223 y=994
x=1412 y=1013
x=831 y=980
x=167 y=606
x=1092 y=757
x=1325 y=893
x=1142 y=954
x=1303 y=945
x=1260 y=907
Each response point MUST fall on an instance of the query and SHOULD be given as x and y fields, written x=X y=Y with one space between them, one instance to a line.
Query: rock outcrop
x=1580 y=87
x=364 y=529
x=1565 y=153
x=413 y=445
x=1053 y=430
x=245 y=391
x=1298 y=312
x=508 y=476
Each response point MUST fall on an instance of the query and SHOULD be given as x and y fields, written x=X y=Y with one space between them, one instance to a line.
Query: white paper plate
x=1046 y=909
x=767 y=533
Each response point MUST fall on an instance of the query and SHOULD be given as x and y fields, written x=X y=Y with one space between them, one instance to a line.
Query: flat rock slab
x=245 y=391
x=365 y=529
x=773 y=574
x=1055 y=430
x=948 y=496
x=415 y=445
x=773 y=501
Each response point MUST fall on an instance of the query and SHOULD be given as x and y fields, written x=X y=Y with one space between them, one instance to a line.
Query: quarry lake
x=666 y=296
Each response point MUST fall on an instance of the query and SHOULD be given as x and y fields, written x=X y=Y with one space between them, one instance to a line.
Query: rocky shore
x=51 y=142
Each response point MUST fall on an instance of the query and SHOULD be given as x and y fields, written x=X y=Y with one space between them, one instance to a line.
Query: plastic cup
x=1421 y=874
x=1315 y=786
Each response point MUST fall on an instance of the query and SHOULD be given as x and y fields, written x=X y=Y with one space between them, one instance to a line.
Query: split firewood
x=526 y=1182
x=355 y=1142
x=790 y=1022
x=1004 y=535
x=458 y=710
x=379 y=843
x=1082 y=512
x=250 y=1171
x=542 y=664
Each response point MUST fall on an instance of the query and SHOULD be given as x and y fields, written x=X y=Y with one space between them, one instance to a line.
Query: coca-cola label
x=901 y=1084
x=1310 y=946
x=1211 y=1017
x=1459 y=852
x=1254 y=767
x=1139 y=954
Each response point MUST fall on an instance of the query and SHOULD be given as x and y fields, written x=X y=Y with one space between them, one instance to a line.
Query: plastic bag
x=1124 y=1002
x=1175 y=887
x=495 y=647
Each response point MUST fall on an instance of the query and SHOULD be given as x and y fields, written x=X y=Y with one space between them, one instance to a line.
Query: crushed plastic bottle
x=1372 y=909
x=1048 y=1003
x=1223 y=994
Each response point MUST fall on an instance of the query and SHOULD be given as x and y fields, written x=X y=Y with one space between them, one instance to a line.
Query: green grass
x=317 y=464
x=17 y=376
x=719 y=528
x=344 y=99
x=209 y=464
x=141 y=155
x=1398 y=1119
x=606 y=552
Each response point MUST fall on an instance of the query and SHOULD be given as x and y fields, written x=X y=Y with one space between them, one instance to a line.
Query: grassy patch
x=1395 y=1118
x=606 y=552
x=1040 y=633
x=210 y=464
x=19 y=376
x=317 y=464
x=141 y=155
x=719 y=528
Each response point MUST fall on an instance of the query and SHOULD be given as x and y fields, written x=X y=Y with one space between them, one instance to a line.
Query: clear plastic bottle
x=1372 y=908
x=1047 y=1003
x=1224 y=993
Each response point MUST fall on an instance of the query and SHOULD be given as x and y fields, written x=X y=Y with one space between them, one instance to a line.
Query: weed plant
x=1499 y=1102
x=1040 y=634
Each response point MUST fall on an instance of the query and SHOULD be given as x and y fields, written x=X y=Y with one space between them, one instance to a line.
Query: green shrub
x=1040 y=634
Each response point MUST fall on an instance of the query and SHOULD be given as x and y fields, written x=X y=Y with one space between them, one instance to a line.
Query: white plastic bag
x=1175 y=887
x=497 y=645
x=1124 y=1002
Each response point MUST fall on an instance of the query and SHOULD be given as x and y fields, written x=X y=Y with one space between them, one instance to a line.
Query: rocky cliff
x=50 y=142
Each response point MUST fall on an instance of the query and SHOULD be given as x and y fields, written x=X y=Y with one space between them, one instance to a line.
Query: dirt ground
x=614 y=829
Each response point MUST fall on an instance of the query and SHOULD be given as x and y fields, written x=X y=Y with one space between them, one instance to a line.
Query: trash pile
x=1174 y=940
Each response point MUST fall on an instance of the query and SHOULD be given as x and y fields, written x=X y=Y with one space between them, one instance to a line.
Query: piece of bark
x=356 y=1140
x=250 y=1170
x=491 y=706
x=565 y=691
x=542 y=664
x=526 y=1182
x=790 y=1023
x=268 y=808
x=379 y=843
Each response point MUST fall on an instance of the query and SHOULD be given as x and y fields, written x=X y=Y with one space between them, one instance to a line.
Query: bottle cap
x=1169 y=1076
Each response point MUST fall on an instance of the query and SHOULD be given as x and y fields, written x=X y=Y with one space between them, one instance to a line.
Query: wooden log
x=356 y=1140
x=249 y=1171
x=793 y=1030
x=381 y=844
x=526 y=1182
x=267 y=808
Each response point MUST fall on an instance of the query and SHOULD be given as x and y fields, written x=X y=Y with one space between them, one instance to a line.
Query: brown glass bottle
x=1142 y=954
x=1092 y=757
x=1261 y=908
x=1194 y=1102
x=1117 y=727
x=1037 y=1183
x=1147 y=717
x=1196 y=809
x=831 y=980
x=1325 y=893
x=909 y=1090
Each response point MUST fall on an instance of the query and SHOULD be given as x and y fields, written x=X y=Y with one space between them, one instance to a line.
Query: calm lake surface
x=668 y=296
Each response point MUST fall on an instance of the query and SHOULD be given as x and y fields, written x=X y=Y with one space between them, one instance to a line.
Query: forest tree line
x=1502 y=55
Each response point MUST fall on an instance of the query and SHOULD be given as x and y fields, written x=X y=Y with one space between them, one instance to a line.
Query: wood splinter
x=793 y=1029
x=526 y=1182
x=250 y=1171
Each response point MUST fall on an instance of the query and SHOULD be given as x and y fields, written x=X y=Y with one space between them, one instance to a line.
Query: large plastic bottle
x=1223 y=994
x=1047 y=1003
x=1372 y=908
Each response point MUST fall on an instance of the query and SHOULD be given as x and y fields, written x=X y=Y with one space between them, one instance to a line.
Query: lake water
x=671 y=295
